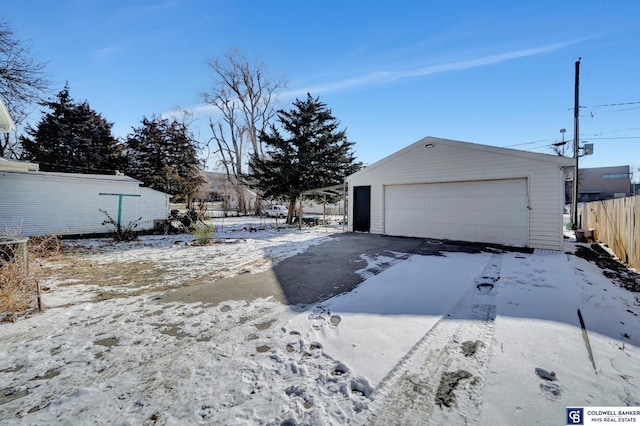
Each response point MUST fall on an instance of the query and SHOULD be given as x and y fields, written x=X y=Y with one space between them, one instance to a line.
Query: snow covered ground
x=489 y=339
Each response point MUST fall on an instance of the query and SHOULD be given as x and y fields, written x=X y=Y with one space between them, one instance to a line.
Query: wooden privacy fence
x=616 y=223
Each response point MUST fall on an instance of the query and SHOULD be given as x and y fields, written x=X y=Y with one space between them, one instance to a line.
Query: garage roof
x=432 y=142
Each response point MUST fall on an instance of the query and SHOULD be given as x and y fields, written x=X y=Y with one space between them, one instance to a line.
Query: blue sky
x=493 y=72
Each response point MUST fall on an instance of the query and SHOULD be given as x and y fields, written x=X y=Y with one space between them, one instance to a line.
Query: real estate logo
x=575 y=416
x=598 y=415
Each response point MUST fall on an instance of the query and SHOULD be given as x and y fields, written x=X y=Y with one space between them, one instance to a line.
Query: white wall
x=41 y=203
x=454 y=161
x=154 y=206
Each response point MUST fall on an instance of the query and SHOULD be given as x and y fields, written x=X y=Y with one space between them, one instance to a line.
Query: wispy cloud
x=147 y=11
x=106 y=52
x=386 y=77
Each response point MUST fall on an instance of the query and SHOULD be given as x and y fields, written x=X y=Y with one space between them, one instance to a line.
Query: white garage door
x=484 y=211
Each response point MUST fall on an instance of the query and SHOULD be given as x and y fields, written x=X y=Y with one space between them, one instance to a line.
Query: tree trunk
x=300 y=214
x=242 y=203
x=292 y=209
x=259 y=205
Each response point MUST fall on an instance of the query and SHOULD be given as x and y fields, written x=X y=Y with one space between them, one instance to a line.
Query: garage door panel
x=491 y=219
x=488 y=211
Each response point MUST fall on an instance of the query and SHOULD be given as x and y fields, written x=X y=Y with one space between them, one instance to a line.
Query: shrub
x=119 y=233
x=203 y=233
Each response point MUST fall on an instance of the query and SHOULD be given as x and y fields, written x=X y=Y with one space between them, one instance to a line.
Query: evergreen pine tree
x=72 y=138
x=163 y=155
x=315 y=154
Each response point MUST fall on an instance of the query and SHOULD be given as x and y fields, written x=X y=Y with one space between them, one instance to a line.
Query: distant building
x=218 y=188
x=602 y=183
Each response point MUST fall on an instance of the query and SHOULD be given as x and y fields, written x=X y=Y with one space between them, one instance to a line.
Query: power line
x=611 y=105
x=589 y=137
x=621 y=137
x=542 y=146
x=616 y=104
x=623 y=109
x=528 y=143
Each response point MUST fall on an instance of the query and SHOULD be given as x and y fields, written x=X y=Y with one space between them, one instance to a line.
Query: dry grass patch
x=111 y=280
x=83 y=271
x=17 y=287
x=20 y=278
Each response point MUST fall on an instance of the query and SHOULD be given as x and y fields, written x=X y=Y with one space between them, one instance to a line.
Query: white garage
x=452 y=190
x=44 y=203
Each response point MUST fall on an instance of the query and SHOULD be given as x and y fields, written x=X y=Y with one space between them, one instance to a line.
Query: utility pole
x=576 y=149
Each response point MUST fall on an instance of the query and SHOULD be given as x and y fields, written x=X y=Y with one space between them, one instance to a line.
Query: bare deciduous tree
x=22 y=83
x=244 y=95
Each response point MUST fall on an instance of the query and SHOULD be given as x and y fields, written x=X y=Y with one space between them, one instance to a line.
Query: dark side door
x=361 y=208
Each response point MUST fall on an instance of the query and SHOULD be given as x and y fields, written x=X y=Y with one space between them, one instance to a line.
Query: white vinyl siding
x=154 y=206
x=453 y=161
x=42 y=203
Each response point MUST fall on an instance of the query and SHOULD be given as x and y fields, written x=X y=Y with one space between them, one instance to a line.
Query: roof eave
x=564 y=162
x=6 y=122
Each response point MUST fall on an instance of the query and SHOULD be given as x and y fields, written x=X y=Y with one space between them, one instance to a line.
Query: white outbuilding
x=452 y=190
x=44 y=203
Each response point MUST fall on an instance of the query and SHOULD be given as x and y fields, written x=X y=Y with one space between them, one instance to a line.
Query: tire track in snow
x=440 y=380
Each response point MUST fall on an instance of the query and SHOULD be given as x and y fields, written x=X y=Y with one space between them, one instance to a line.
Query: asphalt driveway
x=315 y=275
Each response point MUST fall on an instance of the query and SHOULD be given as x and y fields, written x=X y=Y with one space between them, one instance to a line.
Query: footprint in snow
x=340 y=370
x=335 y=320
x=548 y=385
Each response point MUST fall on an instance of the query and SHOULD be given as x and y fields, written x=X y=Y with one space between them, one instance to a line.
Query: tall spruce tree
x=315 y=154
x=163 y=155
x=72 y=138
